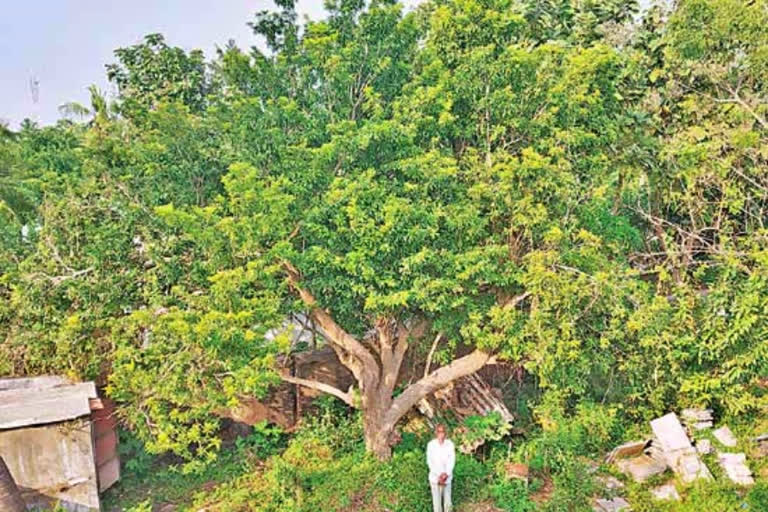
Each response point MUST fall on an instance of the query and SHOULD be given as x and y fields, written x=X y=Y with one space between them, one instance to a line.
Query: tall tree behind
x=150 y=72
x=706 y=200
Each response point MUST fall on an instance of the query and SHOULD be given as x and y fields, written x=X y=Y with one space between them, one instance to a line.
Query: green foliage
x=431 y=165
x=586 y=431
x=264 y=441
x=758 y=496
x=153 y=72
x=322 y=470
x=490 y=427
x=512 y=496
x=148 y=479
x=144 y=506
x=133 y=454
x=573 y=488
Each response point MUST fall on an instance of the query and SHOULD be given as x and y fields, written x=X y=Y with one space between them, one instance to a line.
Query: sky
x=65 y=44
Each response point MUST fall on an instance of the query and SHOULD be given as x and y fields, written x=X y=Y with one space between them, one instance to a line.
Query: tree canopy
x=576 y=188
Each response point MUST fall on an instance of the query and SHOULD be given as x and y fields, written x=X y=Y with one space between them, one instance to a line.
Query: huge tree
x=541 y=183
x=407 y=194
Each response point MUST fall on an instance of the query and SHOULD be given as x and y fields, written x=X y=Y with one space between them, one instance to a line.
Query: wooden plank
x=96 y=404
x=27 y=407
x=104 y=419
x=627 y=450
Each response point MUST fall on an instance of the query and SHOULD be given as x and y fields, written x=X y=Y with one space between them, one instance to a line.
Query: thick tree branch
x=336 y=335
x=386 y=344
x=347 y=398
x=439 y=378
x=57 y=280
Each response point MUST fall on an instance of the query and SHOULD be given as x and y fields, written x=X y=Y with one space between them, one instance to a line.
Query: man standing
x=441 y=458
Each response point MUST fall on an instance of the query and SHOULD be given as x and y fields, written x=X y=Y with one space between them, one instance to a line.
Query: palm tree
x=99 y=111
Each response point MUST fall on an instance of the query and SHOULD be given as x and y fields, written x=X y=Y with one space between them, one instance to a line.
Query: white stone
x=677 y=449
x=610 y=482
x=735 y=467
x=725 y=437
x=704 y=446
x=694 y=415
x=670 y=434
x=641 y=468
x=614 y=505
x=666 y=492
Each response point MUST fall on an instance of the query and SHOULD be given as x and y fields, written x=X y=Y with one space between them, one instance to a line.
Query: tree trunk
x=377 y=436
x=10 y=497
x=376 y=366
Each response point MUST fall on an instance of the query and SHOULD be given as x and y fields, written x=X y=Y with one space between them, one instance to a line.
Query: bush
x=134 y=456
x=573 y=488
x=758 y=497
x=265 y=440
x=512 y=496
x=587 y=431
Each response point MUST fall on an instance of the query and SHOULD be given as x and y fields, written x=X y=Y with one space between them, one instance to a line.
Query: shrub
x=512 y=496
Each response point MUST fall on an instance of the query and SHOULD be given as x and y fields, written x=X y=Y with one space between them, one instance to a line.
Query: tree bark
x=377 y=432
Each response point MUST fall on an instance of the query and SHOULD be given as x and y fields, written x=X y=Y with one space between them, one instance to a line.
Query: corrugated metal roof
x=24 y=404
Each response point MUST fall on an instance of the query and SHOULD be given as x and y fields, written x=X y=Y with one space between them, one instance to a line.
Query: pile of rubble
x=671 y=447
x=678 y=444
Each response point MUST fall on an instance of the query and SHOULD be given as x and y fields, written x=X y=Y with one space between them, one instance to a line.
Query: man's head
x=440 y=432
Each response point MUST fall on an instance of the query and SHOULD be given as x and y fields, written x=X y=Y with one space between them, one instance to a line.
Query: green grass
x=324 y=466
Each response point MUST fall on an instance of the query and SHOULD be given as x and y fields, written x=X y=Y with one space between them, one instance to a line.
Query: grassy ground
x=324 y=467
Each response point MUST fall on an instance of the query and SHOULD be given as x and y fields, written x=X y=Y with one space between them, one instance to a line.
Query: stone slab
x=688 y=465
x=666 y=492
x=670 y=433
x=612 y=505
x=611 y=483
x=735 y=467
x=641 y=468
x=41 y=382
x=53 y=463
x=725 y=437
x=704 y=446
x=695 y=415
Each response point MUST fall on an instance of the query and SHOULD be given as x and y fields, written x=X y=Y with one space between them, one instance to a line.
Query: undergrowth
x=324 y=466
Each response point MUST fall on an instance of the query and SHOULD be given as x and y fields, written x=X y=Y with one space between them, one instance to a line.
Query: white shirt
x=440 y=459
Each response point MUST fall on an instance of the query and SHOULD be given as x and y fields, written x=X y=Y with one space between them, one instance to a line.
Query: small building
x=59 y=442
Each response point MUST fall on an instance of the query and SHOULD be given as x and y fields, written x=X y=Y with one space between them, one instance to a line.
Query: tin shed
x=58 y=440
